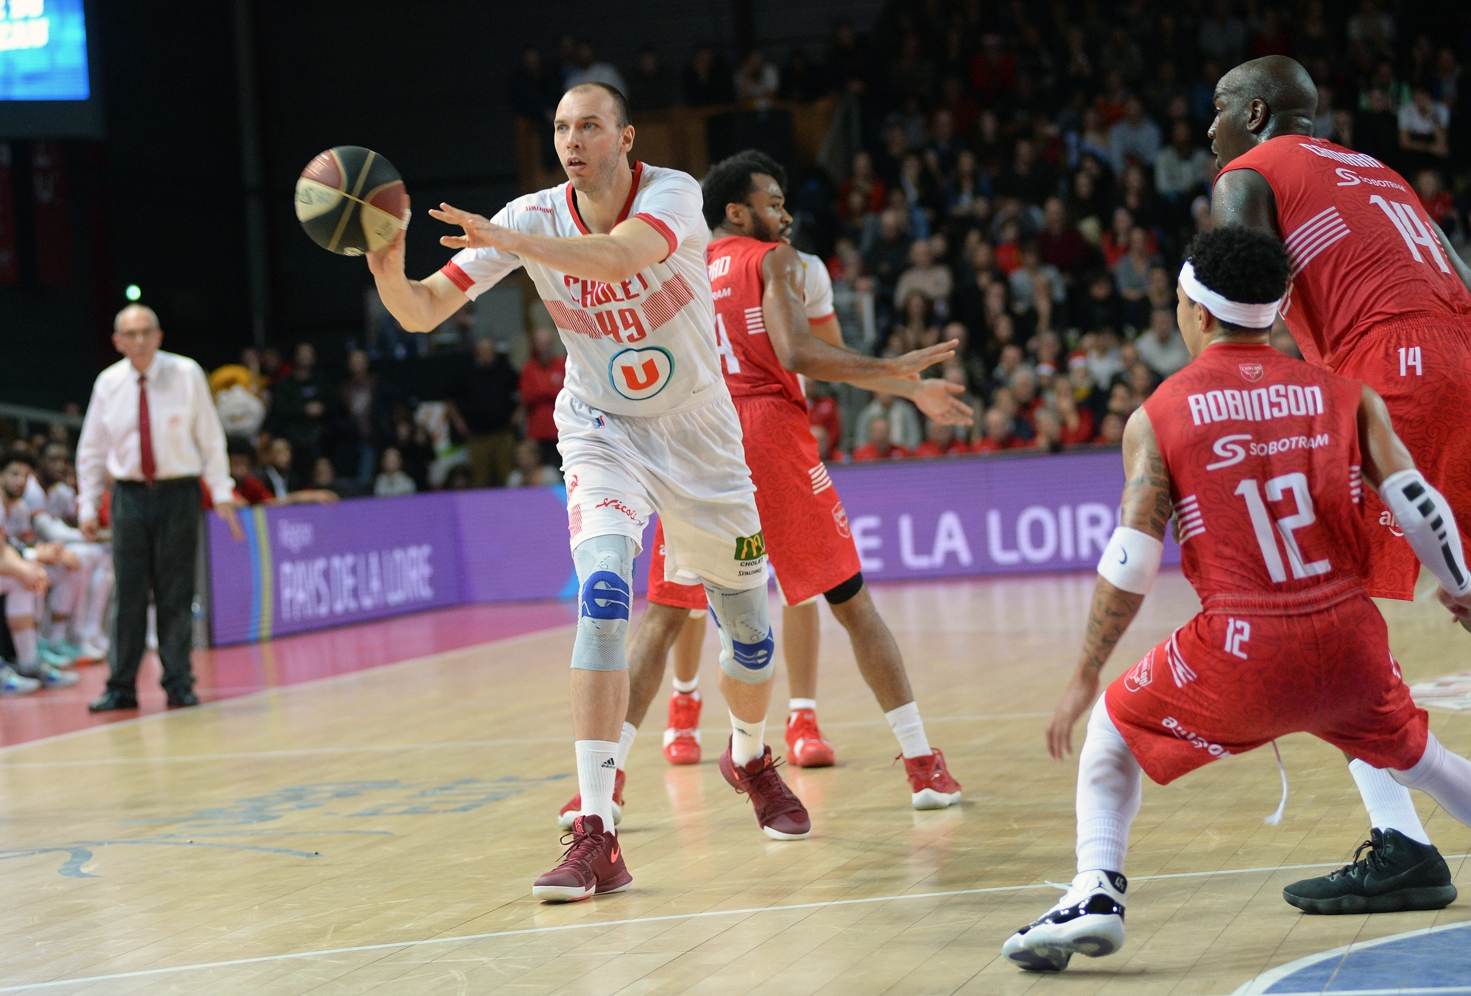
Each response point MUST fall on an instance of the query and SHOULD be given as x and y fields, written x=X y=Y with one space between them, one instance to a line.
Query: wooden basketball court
x=378 y=831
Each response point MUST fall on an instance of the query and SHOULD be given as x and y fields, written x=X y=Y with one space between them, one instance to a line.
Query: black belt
x=161 y=482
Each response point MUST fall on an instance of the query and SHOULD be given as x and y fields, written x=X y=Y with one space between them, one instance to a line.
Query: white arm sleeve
x=1131 y=560
x=1429 y=526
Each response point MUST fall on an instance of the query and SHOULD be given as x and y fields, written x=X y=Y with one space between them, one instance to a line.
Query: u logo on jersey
x=639 y=374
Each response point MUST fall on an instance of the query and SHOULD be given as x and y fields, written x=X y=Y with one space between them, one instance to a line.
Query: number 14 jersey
x=1263 y=456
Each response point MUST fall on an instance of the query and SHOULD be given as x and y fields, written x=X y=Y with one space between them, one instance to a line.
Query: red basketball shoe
x=806 y=746
x=569 y=813
x=779 y=813
x=593 y=865
x=682 y=735
x=930 y=781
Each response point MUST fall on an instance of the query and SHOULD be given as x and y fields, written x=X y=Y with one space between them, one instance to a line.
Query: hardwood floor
x=379 y=831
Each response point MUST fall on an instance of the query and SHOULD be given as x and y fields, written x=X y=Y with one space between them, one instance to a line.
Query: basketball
x=351 y=200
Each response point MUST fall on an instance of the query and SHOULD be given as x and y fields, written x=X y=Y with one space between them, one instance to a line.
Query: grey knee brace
x=605 y=591
x=747 y=651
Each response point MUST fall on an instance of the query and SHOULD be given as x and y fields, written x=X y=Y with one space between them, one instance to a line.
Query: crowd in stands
x=1030 y=174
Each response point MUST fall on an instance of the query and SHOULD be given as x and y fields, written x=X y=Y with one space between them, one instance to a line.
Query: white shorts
x=688 y=466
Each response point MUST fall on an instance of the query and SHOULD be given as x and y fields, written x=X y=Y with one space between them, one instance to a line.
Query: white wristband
x=1131 y=560
x=1429 y=526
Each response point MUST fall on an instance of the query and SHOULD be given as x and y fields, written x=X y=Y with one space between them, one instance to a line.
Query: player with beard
x=1377 y=294
x=765 y=341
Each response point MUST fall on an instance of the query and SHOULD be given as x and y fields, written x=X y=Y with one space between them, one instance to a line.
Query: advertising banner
x=305 y=567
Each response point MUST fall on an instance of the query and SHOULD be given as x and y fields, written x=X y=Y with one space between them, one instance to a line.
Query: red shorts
x=1421 y=366
x=808 y=542
x=1240 y=675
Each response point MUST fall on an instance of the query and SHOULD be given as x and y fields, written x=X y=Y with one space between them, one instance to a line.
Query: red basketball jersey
x=1362 y=248
x=749 y=363
x=1263 y=456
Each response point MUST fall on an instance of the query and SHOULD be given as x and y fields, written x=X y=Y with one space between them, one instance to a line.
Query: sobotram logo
x=750 y=547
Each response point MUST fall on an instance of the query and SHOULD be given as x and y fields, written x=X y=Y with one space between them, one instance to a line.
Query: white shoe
x=14 y=684
x=94 y=650
x=1089 y=920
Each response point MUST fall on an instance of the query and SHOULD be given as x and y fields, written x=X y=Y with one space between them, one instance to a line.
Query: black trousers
x=155 y=535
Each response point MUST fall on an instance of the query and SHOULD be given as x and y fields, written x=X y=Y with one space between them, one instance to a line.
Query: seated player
x=765 y=339
x=21 y=581
x=1262 y=461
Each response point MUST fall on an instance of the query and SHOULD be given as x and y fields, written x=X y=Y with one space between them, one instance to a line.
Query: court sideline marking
x=631 y=921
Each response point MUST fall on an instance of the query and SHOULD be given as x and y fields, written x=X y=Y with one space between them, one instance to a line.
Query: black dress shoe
x=112 y=700
x=182 y=700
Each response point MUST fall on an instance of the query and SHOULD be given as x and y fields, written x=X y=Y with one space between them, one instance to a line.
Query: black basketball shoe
x=1088 y=920
x=1397 y=874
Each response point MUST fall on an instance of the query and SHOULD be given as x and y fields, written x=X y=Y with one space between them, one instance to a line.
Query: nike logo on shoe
x=615 y=854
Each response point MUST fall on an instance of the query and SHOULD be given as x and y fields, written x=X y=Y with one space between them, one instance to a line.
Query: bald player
x=1377 y=294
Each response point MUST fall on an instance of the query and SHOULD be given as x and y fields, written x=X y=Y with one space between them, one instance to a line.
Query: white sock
x=58 y=629
x=25 y=646
x=1109 y=792
x=747 y=740
x=596 y=769
x=909 y=729
x=687 y=687
x=794 y=704
x=625 y=743
x=1443 y=776
x=1388 y=802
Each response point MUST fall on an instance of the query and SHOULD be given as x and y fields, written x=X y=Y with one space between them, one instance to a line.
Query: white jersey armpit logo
x=639 y=374
x=820 y=479
x=1314 y=235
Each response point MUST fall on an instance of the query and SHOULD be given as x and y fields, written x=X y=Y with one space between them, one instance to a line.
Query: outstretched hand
x=921 y=359
x=940 y=402
x=1081 y=690
x=480 y=233
x=1460 y=607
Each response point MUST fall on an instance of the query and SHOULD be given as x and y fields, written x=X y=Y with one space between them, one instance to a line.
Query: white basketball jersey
x=644 y=346
x=817 y=287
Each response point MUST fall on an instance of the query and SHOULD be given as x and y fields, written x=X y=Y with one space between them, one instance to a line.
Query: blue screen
x=43 y=50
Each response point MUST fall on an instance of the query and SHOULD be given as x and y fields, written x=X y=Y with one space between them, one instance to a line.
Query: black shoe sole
x=1430 y=897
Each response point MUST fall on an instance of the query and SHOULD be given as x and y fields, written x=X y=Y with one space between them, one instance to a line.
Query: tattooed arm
x=1147 y=508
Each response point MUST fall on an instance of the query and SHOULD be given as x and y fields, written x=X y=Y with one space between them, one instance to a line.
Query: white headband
x=1247 y=316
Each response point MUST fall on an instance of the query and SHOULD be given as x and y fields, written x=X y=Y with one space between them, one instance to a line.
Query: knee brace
x=605 y=591
x=845 y=591
x=747 y=651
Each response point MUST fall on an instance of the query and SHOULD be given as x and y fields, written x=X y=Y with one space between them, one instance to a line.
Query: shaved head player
x=644 y=419
x=1376 y=294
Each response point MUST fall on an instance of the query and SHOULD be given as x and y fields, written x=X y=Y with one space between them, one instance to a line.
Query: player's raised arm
x=417 y=305
x=784 y=312
x=1125 y=574
x=1423 y=514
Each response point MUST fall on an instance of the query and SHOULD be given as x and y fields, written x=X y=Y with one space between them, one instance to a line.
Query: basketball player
x=24 y=518
x=764 y=341
x=646 y=424
x=1262 y=460
x=1378 y=295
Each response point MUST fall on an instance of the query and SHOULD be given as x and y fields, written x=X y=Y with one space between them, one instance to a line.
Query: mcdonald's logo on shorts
x=750 y=547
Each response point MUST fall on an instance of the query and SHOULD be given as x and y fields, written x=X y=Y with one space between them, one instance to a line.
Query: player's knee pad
x=845 y=591
x=747 y=651
x=605 y=593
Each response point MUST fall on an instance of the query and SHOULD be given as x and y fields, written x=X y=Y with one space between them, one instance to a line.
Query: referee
x=152 y=426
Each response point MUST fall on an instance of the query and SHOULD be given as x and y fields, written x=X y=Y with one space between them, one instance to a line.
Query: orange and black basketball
x=351 y=200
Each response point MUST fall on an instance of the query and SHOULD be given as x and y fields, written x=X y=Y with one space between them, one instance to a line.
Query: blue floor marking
x=1435 y=960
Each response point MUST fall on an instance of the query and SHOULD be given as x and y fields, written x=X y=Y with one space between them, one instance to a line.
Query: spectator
x=1036 y=287
x=366 y=406
x=1222 y=35
x=286 y=486
x=299 y=408
x=1049 y=431
x=587 y=69
x=1438 y=202
x=1102 y=356
x=1115 y=242
x=411 y=440
x=1371 y=29
x=706 y=81
x=900 y=417
x=534 y=91
x=925 y=277
x=1162 y=348
x=1122 y=56
x=939 y=440
x=1111 y=430
x=887 y=255
x=1180 y=171
x=391 y=481
x=324 y=479
x=651 y=86
x=481 y=410
x=878 y=445
x=1060 y=244
x=1134 y=139
x=1075 y=424
x=530 y=472
x=865 y=182
x=249 y=490
x=823 y=413
x=998 y=435
x=541 y=382
x=1100 y=306
x=1423 y=125
x=757 y=81
x=1024 y=391
x=1026 y=179
x=1132 y=271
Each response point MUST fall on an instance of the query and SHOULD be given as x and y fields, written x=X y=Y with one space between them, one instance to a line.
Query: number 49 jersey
x=1263 y=456
x=1362 y=249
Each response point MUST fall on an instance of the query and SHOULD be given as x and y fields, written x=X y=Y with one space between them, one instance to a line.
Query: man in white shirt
x=645 y=424
x=1161 y=348
x=152 y=425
